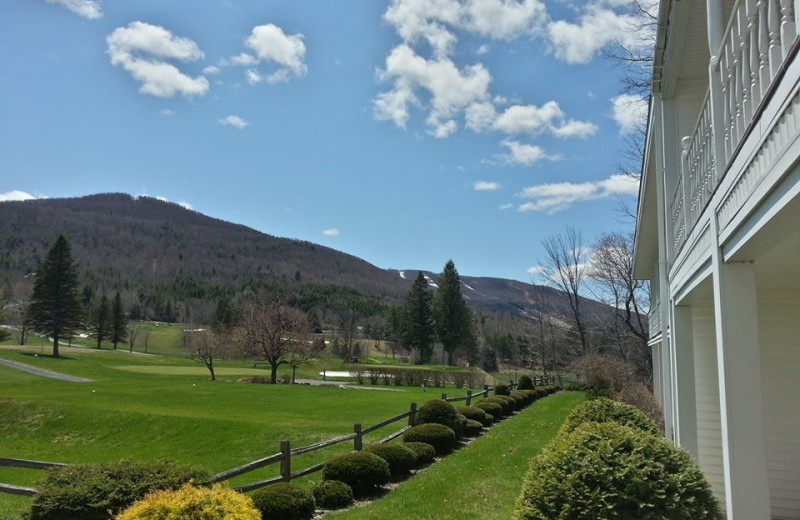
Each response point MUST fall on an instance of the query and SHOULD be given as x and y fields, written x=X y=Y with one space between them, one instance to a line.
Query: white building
x=719 y=237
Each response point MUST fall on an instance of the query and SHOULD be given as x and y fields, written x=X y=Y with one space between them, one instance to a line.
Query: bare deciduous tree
x=205 y=347
x=564 y=267
x=612 y=272
x=269 y=330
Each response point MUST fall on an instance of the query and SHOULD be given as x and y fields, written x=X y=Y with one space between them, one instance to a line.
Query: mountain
x=158 y=253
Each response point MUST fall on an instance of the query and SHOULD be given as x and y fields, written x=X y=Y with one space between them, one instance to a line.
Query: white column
x=744 y=453
x=716 y=26
x=664 y=248
x=658 y=385
x=686 y=403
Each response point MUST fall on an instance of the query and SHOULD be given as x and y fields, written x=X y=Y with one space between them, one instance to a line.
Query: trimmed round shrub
x=530 y=393
x=90 y=491
x=608 y=471
x=424 y=452
x=520 y=398
x=501 y=389
x=472 y=412
x=361 y=470
x=440 y=412
x=284 y=501
x=472 y=428
x=332 y=494
x=605 y=410
x=508 y=407
x=525 y=383
x=488 y=420
x=510 y=400
x=441 y=437
x=400 y=458
x=493 y=409
x=193 y=503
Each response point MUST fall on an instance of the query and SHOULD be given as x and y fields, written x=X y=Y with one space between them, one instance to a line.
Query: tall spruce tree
x=100 y=321
x=451 y=316
x=55 y=308
x=119 y=322
x=418 y=332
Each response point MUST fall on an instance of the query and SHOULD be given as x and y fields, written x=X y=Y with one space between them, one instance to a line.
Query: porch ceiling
x=778 y=266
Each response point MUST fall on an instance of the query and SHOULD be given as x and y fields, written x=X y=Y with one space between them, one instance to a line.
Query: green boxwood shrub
x=507 y=403
x=520 y=398
x=91 y=491
x=472 y=428
x=605 y=410
x=440 y=412
x=530 y=393
x=525 y=383
x=424 y=452
x=193 y=503
x=493 y=409
x=607 y=471
x=401 y=459
x=361 y=470
x=471 y=412
x=501 y=389
x=284 y=501
x=441 y=437
x=332 y=494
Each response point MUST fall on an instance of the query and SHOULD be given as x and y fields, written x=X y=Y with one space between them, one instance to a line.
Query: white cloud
x=185 y=205
x=536 y=270
x=483 y=49
x=528 y=119
x=486 y=186
x=332 y=232
x=523 y=154
x=211 y=69
x=167 y=112
x=630 y=112
x=573 y=128
x=234 y=121
x=140 y=48
x=503 y=207
x=451 y=89
x=432 y=20
x=16 y=195
x=555 y=197
x=268 y=44
x=597 y=27
x=88 y=9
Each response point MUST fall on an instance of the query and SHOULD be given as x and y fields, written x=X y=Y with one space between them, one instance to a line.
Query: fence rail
x=284 y=456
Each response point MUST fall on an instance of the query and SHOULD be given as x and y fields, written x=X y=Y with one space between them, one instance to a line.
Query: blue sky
x=405 y=132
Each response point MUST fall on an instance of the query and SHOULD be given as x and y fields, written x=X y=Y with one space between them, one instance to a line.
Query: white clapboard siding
x=779 y=335
x=709 y=432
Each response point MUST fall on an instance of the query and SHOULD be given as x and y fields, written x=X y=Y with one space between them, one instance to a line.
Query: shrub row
x=606 y=462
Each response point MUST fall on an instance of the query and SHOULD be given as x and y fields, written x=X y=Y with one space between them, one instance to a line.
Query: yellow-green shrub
x=193 y=503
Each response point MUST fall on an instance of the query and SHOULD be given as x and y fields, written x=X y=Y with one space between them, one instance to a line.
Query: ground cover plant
x=480 y=481
x=155 y=412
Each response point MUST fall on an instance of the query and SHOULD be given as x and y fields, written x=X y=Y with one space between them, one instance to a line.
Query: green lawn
x=153 y=407
x=481 y=481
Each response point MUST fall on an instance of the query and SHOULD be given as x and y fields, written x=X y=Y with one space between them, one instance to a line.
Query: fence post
x=412 y=415
x=357 y=441
x=286 y=461
x=486 y=389
x=324 y=374
x=469 y=397
x=444 y=397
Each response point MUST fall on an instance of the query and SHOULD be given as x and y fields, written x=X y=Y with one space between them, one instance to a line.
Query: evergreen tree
x=119 y=323
x=224 y=315
x=100 y=322
x=418 y=332
x=452 y=318
x=55 y=308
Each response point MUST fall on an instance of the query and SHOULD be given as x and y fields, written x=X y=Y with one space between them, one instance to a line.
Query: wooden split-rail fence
x=286 y=453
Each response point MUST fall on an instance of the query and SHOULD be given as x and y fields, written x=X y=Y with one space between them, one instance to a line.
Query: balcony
x=743 y=76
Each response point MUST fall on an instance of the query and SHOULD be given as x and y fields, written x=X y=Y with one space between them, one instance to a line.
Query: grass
x=481 y=481
x=157 y=407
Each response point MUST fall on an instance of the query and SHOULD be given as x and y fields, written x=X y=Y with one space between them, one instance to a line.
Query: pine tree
x=418 y=332
x=55 y=308
x=100 y=322
x=119 y=323
x=452 y=318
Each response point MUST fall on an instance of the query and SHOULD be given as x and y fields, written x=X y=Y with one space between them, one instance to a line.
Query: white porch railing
x=755 y=44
